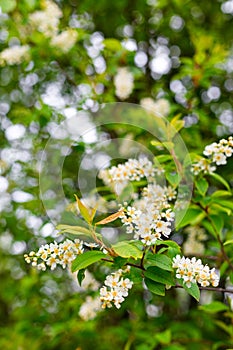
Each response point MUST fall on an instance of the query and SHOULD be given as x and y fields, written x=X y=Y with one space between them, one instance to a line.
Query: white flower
x=55 y=254
x=192 y=270
x=118 y=289
x=161 y=107
x=219 y=159
x=65 y=40
x=47 y=21
x=14 y=55
x=90 y=308
x=124 y=83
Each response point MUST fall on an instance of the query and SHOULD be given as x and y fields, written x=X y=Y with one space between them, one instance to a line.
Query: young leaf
x=74 y=230
x=220 y=179
x=154 y=287
x=127 y=250
x=110 y=218
x=84 y=260
x=159 y=275
x=221 y=193
x=81 y=276
x=202 y=186
x=83 y=210
x=192 y=216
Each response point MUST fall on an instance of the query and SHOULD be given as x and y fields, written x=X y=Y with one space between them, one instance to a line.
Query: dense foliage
x=116 y=103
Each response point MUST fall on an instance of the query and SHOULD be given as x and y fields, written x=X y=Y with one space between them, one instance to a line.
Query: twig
x=214 y=289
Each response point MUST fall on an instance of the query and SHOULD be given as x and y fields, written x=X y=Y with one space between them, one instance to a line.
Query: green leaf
x=8 y=5
x=202 y=186
x=225 y=327
x=84 y=260
x=81 y=276
x=127 y=250
x=112 y=44
x=192 y=217
x=164 y=337
x=214 y=307
x=230 y=241
x=221 y=193
x=217 y=222
x=154 y=287
x=224 y=203
x=193 y=290
x=220 y=179
x=74 y=230
x=219 y=208
x=173 y=178
x=209 y=227
x=162 y=158
x=159 y=275
x=159 y=260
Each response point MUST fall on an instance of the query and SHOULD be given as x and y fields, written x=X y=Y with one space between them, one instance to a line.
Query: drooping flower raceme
x=65 y=40
x=90 y=308
x=118 y=176
x=124 y=83
x=55 y=254
x=161 y=107
x=217 y=153
x=151 y=216
x=47 y=21
x=14 y=55
x=192 y=270
x=115 y=289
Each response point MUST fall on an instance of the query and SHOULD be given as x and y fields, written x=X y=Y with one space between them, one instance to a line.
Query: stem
x=224 y=253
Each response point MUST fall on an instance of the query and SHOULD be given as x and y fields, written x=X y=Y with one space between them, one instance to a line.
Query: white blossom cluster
x=117 y=177
x=217 y=153
x=124 y=83
x=161 y=107
x=65 y=40
x=14 y=55
x=192 y=270
x=151 y=216
x=47 y=21
x=115 y=289
x=90 y=308
x=55 y=254
x=194 y=243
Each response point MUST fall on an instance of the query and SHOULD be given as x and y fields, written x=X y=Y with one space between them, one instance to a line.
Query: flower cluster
x=124 y=83
x=151 y=216
x=161 y=107
x=14 y=55
x=55 y=254
x=115 y=289
x=132 y=170
x=90 y=308
x=193 y=244
x=47 y=21
x=65 y=40
x=192 y=270
x=217 y=153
